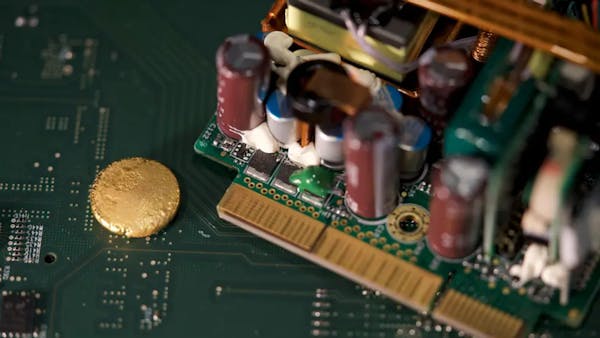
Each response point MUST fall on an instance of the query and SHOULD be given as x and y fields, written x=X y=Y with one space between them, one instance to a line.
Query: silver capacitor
x=329 y=142
x=281 y=121
x=413 y=140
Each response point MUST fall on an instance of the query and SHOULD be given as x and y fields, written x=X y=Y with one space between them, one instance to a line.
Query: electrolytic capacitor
x=329 y=144
x=329 y=137
x=389 y=98
x=371 y=161
x=242 y=75
x=413 y=141
x=443 y=74
x=456 y=207
x=281 y=121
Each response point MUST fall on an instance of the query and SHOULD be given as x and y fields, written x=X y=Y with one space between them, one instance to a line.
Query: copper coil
x=275 y=18
x=484 y=46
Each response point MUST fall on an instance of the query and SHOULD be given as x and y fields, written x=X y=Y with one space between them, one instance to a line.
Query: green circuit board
x=485 y=281
x=85 y=83
x=465 y=276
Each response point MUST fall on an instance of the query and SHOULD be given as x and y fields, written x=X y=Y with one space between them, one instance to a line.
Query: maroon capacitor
x=444 y=73
x=456 y=207
x=371 y=163
x=242 y=74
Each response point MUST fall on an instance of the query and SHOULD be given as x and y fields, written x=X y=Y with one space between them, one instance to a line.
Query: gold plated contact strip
x=329 y=247
x=518 y=20
x=476 y=318
x=269 y=216
x=398 y=279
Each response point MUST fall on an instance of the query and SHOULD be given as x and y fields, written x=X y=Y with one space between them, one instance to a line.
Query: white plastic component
x=278 y=44
x=574 y=244
x=544 y=202
x=333 y=57
x=536 y=258
x=557 y=275
x=365 y=78
x=303 y=156
x=515 y=270
x=535 y=225
x=303 y=52
x=261 y=138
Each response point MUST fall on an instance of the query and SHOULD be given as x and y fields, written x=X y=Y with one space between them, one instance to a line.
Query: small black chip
x=242 y=152
x=262 y=165
x=17 y=314
x=282 y=181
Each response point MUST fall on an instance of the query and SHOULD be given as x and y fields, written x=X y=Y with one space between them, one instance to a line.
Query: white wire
x=359 y=34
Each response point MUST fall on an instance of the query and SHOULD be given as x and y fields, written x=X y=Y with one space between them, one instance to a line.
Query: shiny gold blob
x=135 y=197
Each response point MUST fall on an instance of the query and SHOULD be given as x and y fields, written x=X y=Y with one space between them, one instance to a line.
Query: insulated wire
x=359 y=34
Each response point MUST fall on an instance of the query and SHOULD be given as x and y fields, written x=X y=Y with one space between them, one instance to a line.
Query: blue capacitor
x=280 y=119
x=389 y=98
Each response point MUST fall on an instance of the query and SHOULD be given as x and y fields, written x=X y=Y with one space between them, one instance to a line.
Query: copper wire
x=484 y=46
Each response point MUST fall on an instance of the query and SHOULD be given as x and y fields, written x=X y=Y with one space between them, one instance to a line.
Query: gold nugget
x=135 y=197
